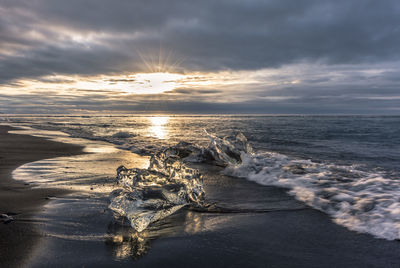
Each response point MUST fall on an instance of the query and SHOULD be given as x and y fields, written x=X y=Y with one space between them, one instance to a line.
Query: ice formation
x=228 y=150
x=148 y=195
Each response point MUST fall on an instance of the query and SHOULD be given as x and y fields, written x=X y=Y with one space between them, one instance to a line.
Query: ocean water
x=346 y=166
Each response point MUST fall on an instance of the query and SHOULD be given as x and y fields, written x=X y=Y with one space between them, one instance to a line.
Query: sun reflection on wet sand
x=157 y=127
x=125 y=243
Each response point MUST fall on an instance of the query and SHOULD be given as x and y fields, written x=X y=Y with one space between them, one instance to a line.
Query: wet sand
x=18 y=238
x=301 y=237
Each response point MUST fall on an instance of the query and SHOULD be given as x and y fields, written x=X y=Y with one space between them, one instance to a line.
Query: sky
x=208 y=56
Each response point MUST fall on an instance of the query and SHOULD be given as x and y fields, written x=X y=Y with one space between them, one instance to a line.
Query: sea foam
x=367 y=202
x=362 y=201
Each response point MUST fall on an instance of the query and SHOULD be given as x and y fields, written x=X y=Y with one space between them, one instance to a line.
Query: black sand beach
x=295 y=236
x=18 y=237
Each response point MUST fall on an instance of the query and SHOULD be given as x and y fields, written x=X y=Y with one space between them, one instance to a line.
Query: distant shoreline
x=19 y=237
x=150 y=114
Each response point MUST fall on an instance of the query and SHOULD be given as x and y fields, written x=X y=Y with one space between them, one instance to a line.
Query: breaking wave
x=362 y=201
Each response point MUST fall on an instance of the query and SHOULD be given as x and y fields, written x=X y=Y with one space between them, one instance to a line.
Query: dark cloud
x=208 y=35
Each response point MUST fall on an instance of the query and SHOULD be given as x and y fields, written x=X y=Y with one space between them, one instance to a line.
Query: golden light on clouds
x=153 y=83
x=159 y=85
x=139 y=83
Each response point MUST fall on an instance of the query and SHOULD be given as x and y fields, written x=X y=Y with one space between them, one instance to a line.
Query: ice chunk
x=142 y=209
x=148 y=195
x=227 y=151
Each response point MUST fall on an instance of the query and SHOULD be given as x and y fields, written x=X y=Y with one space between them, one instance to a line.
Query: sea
x=346 y=166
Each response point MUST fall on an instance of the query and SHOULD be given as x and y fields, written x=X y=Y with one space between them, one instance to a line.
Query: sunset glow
x=152 y=83
x=240 y=57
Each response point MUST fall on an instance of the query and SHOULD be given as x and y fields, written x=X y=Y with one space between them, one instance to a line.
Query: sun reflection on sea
x=157 y=127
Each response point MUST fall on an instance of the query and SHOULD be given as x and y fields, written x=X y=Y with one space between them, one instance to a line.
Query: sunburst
x=161 y=62
x=161 y=73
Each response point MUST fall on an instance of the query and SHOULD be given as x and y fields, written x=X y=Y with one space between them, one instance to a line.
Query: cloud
x=292 y=89
x=97 y=36
x=246 y=55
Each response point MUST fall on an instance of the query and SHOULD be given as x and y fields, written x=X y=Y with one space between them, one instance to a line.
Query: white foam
x=362 y=201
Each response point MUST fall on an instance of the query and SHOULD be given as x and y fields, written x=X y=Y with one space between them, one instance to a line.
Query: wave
x=362 y=201
x=123 y=135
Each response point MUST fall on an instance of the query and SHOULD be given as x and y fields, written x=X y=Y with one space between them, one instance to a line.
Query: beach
x=76 y=229
x=199 y=134
x=19 y=237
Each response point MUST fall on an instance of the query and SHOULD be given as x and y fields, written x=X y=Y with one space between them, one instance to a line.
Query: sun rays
x=160 y=62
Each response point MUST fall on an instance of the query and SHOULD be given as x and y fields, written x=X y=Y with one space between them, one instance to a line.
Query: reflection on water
x=157 y=127
x=195 y=223
x=198 y=222
x=124 y=242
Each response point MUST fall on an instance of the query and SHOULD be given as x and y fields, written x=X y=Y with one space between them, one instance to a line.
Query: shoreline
x=304 y=238
x=19 y=237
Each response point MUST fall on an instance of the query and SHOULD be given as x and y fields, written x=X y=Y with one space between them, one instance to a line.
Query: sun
x=160 y=76
x=154 y=83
